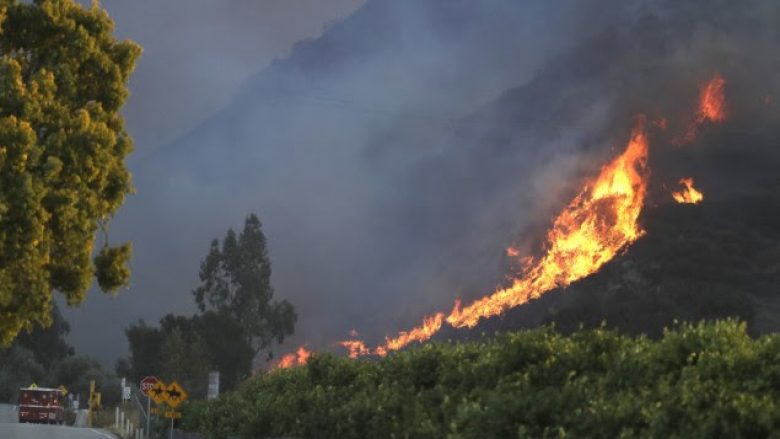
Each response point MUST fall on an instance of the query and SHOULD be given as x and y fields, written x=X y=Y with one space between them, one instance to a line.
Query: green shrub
x=705 y=380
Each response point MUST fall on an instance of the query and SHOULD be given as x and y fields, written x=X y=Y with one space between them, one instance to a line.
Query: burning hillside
x=595 y=226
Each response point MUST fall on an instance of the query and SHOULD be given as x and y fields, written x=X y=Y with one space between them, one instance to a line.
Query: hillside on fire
x=604 y=238
x=390 y=218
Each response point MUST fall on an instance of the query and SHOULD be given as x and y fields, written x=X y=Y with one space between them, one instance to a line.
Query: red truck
x=41 y=406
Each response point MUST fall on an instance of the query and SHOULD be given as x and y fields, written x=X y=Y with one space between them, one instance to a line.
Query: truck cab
x=41 y=406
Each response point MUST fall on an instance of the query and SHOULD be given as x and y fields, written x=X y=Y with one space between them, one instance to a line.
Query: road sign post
x=147 y=384
x=174 y=396
x=148 y=416
x=171 y=395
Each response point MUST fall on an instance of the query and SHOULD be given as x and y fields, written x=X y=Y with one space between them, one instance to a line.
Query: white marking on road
x=102 y=434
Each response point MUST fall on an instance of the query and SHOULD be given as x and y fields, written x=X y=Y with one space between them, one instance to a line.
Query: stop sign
x=147 y=384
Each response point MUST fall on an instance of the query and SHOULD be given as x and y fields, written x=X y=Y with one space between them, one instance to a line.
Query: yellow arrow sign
x=158 y=393
x=175 y=395
x=63 y=390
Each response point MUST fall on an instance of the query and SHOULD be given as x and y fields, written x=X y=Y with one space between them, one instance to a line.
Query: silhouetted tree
x=48 y=344
x=145 y=344
x=211 y=339
x=236 y=281
x=184 y=359
x=18 y=368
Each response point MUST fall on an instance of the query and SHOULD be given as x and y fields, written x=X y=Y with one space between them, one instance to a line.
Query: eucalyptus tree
x=63 y=144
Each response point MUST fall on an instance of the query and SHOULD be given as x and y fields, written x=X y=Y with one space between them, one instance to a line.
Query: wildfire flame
x=356 y=348
x=430 y=326
x=689 y=195
x=712 y=101
x=299 y=358
x=593 y=228
x=590 y=231
x=712 y=107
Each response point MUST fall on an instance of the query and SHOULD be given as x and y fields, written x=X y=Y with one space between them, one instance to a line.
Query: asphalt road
x=10 y=429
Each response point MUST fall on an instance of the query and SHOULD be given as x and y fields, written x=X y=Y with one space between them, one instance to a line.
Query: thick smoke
x=393 y=159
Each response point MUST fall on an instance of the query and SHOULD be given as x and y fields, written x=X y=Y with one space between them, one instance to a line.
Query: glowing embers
x=689 y=194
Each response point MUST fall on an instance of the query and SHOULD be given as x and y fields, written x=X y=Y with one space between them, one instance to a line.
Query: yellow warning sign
x=175 y=395
x=159 y=393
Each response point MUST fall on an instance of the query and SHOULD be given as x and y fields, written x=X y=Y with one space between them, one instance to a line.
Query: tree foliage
x=187 y=348
x=145 y=343
x=19 y=368
x=184 y=359
x=236 y=281
x=238 y=317
x=48 y=344
x=63 y=144
x=75 y=373
x=705 y=380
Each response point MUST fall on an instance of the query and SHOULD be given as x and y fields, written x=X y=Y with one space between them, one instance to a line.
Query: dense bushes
x=706 y=380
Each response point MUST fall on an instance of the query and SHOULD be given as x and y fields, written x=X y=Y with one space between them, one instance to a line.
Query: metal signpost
x=147 y=384
x=175 y=395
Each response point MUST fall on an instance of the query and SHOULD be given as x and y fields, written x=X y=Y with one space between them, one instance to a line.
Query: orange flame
x=712 y=101
x=299 y=358
x=287 y=361
x=593 y=228
x=689 y=195
x=712 y=108
x=430 y=326
x=356 y=348
x=303 y=356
